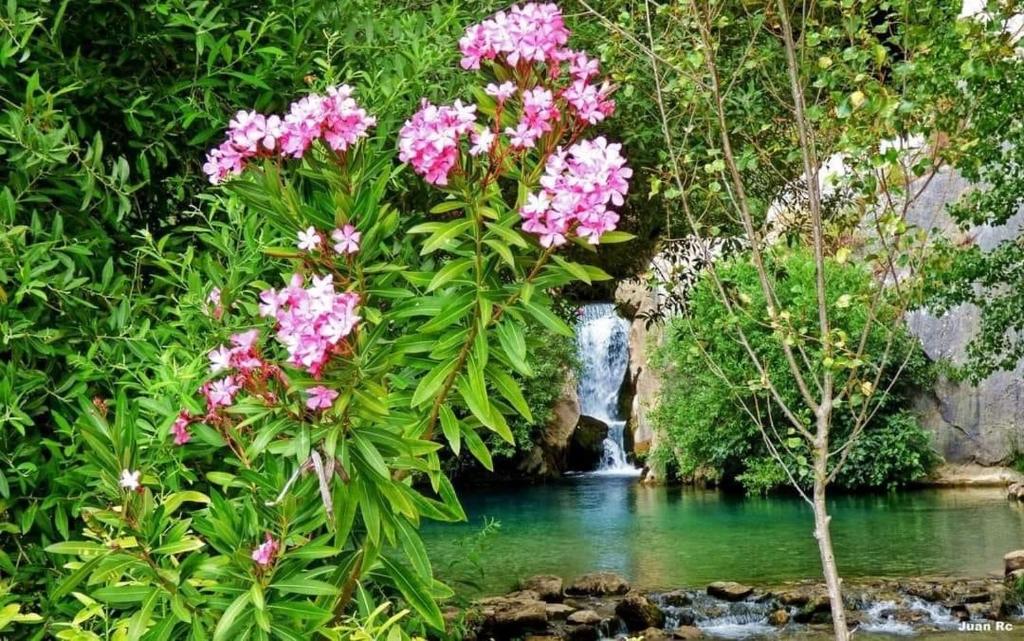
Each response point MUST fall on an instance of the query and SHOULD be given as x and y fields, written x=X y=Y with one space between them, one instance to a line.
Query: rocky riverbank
x=603 y=605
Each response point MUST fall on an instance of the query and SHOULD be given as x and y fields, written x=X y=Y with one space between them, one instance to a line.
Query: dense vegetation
x=704 y=412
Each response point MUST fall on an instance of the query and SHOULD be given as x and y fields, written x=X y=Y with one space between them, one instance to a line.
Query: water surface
x=673 y=537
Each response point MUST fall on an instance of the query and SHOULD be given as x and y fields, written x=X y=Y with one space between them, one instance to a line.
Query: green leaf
x=450 y=428
x=231 y=614
x=548 y=319
x=478 y=449
x=452 y=270
x=447 y=206
x=432 y=382
x=122 y=594
x=76 y=548
x=614 y=237
x=415 y=592
x=509 y=389
x=510 y=336
x=301 y=584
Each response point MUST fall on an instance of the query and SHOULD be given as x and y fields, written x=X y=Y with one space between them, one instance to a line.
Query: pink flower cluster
x=429 y=141
x=346 y=239
x=528 y=33
x=312 y=322
x=578 y=185
x=334 y=117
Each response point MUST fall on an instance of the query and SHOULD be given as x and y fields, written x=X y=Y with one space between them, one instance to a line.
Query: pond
x=663 y=538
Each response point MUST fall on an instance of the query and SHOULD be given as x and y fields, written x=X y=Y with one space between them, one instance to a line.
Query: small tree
x=837 y=116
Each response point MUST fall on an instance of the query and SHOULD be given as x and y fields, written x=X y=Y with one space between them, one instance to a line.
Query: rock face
x=638 y=613
x=547 y=458
x=642 y=384
x=514 y=615
x=971 y=423
x=587 y=444
x=1013 y=561
x=598 y=584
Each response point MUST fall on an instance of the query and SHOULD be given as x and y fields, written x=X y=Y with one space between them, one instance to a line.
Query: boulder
x=584 y=633
x=598 y=584
x=676 y=598
x=584 y=617
x=586 y=446
x=547 y=458
x=559 y=611
x=729 y=590
x=547 y=586
x=1013 y=561
x=514 y=615
x=779 y=617
x=654 y=634
x=638 y=613
x=1016 y=491
x=687 y=633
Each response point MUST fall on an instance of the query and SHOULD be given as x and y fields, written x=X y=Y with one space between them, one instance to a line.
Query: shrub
x=705 y=429
x=337 y=344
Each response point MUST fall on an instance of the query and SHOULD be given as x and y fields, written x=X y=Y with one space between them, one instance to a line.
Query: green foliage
x=703 y=413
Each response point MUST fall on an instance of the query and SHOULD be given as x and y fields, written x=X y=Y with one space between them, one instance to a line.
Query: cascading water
x=602 y=342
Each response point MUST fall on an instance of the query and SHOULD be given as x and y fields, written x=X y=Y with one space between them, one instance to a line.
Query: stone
x=729 y=590
x=547 y=586
x=676 y=598
x=559 y=611
x=543 y=637
x=687 y=633
x=1013 y=561
x=584 y=633
x=586 y=446
x=642 y=386
x=654 y=634
x=779 y=617
x=547 y=458
x=638 y=613
x=1015 y=492
x=513 y=616
x=598 y=584
x=960 y=613
x=584 y=617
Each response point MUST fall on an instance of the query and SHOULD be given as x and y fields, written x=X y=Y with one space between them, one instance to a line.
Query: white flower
x=130 y=480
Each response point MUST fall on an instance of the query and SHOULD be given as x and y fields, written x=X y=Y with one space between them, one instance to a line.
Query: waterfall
x=602 y=342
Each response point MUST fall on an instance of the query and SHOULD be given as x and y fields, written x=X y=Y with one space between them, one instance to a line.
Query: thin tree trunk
x=822 y=531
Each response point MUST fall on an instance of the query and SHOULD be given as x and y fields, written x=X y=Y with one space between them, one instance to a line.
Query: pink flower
x=180 y=428
x=213 y=304
x=311 y=322
x=220 y=359
x=531 y=33
x=483 y=141
x=220 y=393
x=429 y=141
x=309 y=239
x=522 y=137
x=501 y=92
x=589 y=102
x=265 y=552
x=245 y=340
x=346 y=239
x=130 y=481
x=577 y=187
x=320 y=397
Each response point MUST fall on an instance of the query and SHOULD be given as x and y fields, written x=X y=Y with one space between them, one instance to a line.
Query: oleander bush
x=224 y=409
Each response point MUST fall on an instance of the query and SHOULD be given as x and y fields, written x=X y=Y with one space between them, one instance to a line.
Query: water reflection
x=673 y=537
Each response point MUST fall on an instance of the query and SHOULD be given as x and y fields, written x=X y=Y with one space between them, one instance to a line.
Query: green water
x=672 y=537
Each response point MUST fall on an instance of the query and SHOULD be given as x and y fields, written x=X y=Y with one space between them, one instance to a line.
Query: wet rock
x=598 y=584
x=960 y=613
x=513 y=616
x=638 y=613
x=584 y=633
x=906 y=615
x=543 y=637
x=584 y=617
x=586 y=446
x=676 y=598
x=1016 y=491
x=928 y=591
x=547 y=586
x=559 y=611
x=729 y=590
x=1013 y=561
x=655 y=634
x=687 y=633
x=779 y=618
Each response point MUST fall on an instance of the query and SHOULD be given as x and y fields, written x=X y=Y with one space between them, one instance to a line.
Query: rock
x=1015 y=491
x=547 y=458
x=1013 y=561
x=972 y=475
x=587 y=444
x=687 y=633
x=676 y=598
x=543 y=637
x=729 y=590
x=559 y=611
x=584 y=617
x=1015 y=578
x=598 y=584
x=654 y=634
x=638 y=613
x=584 y=633
x=514 y=615
x=779 y=617
x=547 y=586
x=960 y=613
x=643 y=383
x=971 y=423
